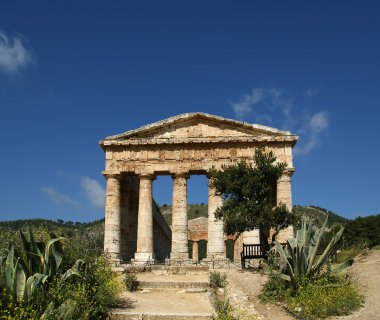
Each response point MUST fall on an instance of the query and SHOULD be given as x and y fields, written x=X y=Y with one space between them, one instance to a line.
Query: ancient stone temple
x=180 y=146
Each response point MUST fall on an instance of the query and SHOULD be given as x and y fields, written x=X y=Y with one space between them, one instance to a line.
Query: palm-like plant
x=300 y=253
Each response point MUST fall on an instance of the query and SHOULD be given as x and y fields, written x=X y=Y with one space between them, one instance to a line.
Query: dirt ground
x=244 y=287
x=366 y=272
x=243 y=290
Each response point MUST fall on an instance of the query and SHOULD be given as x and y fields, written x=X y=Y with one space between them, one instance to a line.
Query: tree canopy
x=249 y=193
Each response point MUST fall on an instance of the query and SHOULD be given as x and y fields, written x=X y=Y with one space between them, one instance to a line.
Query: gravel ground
x=244 y=287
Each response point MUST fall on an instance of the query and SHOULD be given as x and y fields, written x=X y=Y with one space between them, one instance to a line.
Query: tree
x=249 y=194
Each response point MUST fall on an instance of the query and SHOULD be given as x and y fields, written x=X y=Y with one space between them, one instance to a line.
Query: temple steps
x=167 y=296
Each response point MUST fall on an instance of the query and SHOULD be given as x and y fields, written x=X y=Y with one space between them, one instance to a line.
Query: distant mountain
x=318 y=215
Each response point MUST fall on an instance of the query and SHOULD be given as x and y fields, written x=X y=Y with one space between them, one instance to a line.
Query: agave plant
x=12 y=275
x=22 y=274
x=300 y=253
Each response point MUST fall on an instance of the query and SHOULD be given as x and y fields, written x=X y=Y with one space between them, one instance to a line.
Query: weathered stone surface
x=284 y=195
x=145 y=220
x=215 y=244
x=112 y=232
x=191 y=143
x=179 y=219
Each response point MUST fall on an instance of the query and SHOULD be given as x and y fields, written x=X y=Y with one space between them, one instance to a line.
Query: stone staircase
x=167 y=294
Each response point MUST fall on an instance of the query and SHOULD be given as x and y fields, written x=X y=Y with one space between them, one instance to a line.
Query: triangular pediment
x=198 y=126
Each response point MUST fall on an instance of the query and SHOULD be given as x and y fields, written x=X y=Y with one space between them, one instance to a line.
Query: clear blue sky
x=73 y=72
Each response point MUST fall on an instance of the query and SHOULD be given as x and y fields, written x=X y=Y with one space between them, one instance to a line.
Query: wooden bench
x=251 y=251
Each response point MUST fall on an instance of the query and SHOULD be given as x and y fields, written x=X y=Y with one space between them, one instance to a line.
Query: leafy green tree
x=249 y=193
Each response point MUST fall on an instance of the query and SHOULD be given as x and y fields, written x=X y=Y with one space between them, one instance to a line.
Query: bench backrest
x=252 y=250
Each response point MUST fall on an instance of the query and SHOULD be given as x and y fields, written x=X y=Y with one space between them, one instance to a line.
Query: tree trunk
x=264 y=235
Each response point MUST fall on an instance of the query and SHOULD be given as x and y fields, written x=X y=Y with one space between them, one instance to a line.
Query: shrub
x=88 y=297
x=217 y=280
x=327 y=296
x=224 y=310
x=35 y=284
x=275 y=289
x=130 y=281
x=103 y=288
x=352 y=252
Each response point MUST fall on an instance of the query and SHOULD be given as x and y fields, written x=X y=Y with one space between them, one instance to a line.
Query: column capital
x=287 y=173
x=147 y=176
x=180 y=174
x=112 y=174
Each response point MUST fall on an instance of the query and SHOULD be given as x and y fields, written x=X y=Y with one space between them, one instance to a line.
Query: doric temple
x=179 y=146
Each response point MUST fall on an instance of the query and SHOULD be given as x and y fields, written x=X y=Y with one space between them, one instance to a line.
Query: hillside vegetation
x=193 y=211
x=88 y=237
x=318 y=215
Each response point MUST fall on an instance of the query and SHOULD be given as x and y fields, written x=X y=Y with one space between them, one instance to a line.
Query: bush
x=314 y=298
x=130 y=281
x=217 y=280
x=275 y=289
x=224 y=310
x=327 y=296
x=103 y=288
x=89 y=296
x=351 y=253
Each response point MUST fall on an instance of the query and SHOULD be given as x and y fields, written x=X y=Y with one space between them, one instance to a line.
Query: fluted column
x=112 y=228
x=180 y=249
x=284 y=195
x=145 y=220
x=215 y=243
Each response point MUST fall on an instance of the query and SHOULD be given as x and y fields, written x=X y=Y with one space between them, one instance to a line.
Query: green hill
x=88 y=237
x=82 y=239
x=318 y=215
x=193 y=211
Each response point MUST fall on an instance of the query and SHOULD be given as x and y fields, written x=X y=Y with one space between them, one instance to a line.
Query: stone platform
x=167 y=296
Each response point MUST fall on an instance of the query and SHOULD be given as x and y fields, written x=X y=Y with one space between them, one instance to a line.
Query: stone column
x=124 y=219
x=133 y=208
x=180 y=250
x=145 y=220
x=284 y=195
x=112 y=225
x=215 y=244
x=195 y=251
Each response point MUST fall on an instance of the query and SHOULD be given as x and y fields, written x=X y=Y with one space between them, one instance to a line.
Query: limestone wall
x=197 y=229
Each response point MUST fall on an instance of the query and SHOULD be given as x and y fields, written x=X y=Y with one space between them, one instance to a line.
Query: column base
x=114 y=263
x=217 y=262
x=181 y=262
x=143 y=257
x=179 y=256
x=216 y=256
